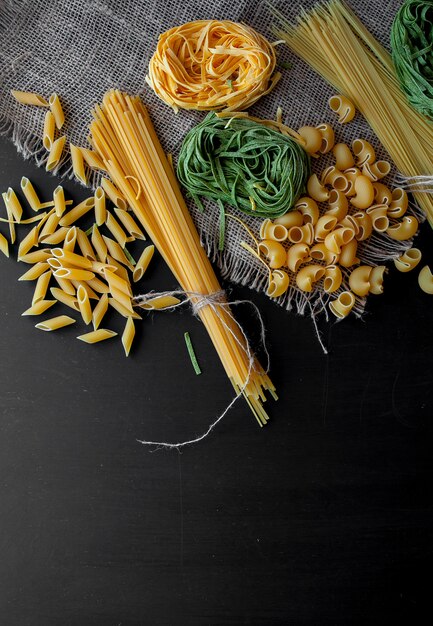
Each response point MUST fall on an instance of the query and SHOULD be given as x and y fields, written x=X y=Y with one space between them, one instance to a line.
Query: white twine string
x=421 y=184
x=215 y=300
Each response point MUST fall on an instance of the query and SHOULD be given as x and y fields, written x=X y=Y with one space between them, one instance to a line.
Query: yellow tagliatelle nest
x=208 y=65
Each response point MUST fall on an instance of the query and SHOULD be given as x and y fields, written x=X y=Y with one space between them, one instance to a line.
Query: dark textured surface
x=323 y=517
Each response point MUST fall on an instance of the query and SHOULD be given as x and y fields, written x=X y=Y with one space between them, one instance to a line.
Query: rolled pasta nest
x=212 y=65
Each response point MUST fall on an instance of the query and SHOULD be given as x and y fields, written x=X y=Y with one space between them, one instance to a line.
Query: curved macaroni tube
x=316 y=189
x=338 y=238
x=399 y=203
x=324 y=226
x=343 y=156
x=309 y=209
x=276 y=232
x=319 y=252
x=348 y=256
x=338 y=204
x=308 y=275
x=296 y=255
x=328 y=137
x=342 y=306
x=408 y=260
x=333 y=278
x=382 y=194
x=351 y=175
x=364 y=224
x=359 y=280
x=376 y=171
x=425 y=280
x=343 y=107
x=292 y=218
x=379 y=220
x=302 y=234
x=363 y=151
x=376 y=279
x=278 y=283
x=364 y=192
x=274 y=253
x=404 y=230
x=332 y=176
x=312 y=137
x=350 y=222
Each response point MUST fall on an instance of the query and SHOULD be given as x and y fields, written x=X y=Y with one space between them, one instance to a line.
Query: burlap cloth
x=82 y=48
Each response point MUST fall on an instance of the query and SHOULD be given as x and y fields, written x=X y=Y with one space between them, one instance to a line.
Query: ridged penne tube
x=312 y=138
x=364 y=224
x=278 y=283
x=425 y=280
x=97 y=285
x=274 y=253
x=116 y=230
x=351 y=175
x=95 y=336
x=143 y=263
x=49 y=227
x=123 y=299
x=54 y=263
x=92 y=159
x=296 y=255
x=10 y=217
x=35 y=271
x=363 y=151
x=342 y=306
x=324 y=226
x=28 y=97
x=129 y=223
x=276 y=232
x=68 y=258
x=364 y=193
x=84 y=304
x=309 y=210
x=29 y=241
x=128 y=335
x=14 y=204
x=65 y=298
x=30 y=194
x=74 y=214
x=338 y=238
x=99 y=244
x=359 y=280
x=343 y=156
x=376 y=279
x=40 y=307
x=72 y=273
x=85 y=285
x=399 y=203
x=376 y=171
x=57 y=237
x=328 y=138
x=308 y=276
x=160 y=302
x=409 y=260
x=338 y=204
x=59 y=201
x=333 y=278
x=65 y=285
x=114 y=194
x=292 y=218
x=78 y=163
x=319 y=252
x=99 y=311
x=406 y=229
x=55 y=153
x=115 y=281
x=36 y=256
x=4 y=245
x=49 y=130
x=100 y=268
x=316 y=189
x=349 y=222
x=302 y=234
x=57 y=111
x=332 y=176
x=121 y=309
x=55 y=323
x=41 y=287
x=85 y=246
x=100 y=206
x=382 y=194
x=343 y=107
x=116 y=252
x=378 y=215
x=120 y=269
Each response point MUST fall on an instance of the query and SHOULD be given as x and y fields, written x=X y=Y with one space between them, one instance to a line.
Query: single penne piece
x=359 y=280
x=97 y=285
x=376 y=279
x=308 y=275
x=29 y=97
x=85 y=246
x=363 y=151
x=55 y=323
x=99 y=311
x=292 y=218
x=29 y=241
x=159 y=302
x=71 y=259
x=30 y=194
x=119 y=268
x=116 y=230
x=343 y=107
x=278 y=283
x=308 y=209
x=70 y=239
x=129 y=223
x=114 y=194
x=317 y=189
x=297 y=254
x=49 y=227
x=116 y=252
x=4 y=245
x=116 y=282
x=73 y=273
x=65 y=285
x=57 y=237
x=92 y=159
x=128 y=335
x=100 y=206
x=74 y=214
x=312 y=139
x=41 y=287
x=59 y=201
x=404 y=230
x=36 y=257
x=328 y=138
x=408 y=260
x=100 y=268
x=425 y=280
x=39 y=308
x=12 y=231
x=84 y=283
x=99 y=244
x=14 y=204
x=55 y=264
x=274 y=253
x=343 y=156
x=55 y=153
x=97 y=335
x=84 y=304
x=35 y=271
x=65 y=298
x=342 y=306
x=121 y=309
x=348 y=256
x=143 y=263
x=333 y=279
x=78 y=163
x=123 y=299
x=49 y=130
x=56 y=109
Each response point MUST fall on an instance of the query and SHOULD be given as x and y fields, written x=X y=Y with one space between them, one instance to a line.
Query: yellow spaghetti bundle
x=124 y=137
x=208 y=65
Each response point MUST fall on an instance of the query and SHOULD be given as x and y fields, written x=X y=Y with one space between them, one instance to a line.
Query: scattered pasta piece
x=57 y=111
x=95 y=336
x=343 y=107
x=191 y=353
x=55 y=323
x=409 y=260
x=425 y=280
x=4 y=245
x=28 y=97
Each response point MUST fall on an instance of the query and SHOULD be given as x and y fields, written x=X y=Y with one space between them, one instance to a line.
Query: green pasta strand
x=243 y=163
x=412 y=53
x=191 y=353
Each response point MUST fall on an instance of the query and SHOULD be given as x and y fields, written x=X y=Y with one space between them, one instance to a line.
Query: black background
x=322 y=517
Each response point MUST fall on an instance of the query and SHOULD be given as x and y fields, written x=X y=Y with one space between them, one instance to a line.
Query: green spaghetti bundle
x=243 y=163
x=412 y=53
